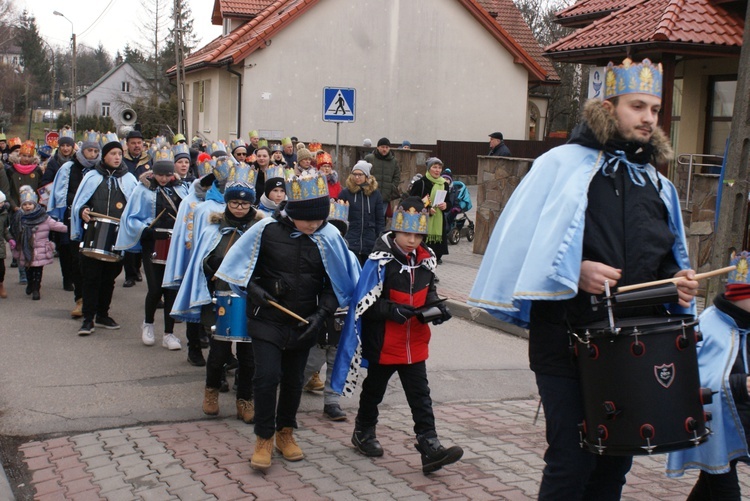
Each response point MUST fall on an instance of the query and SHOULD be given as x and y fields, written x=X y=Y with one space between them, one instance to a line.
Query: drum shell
x=231 y=317
x=99 y=239
x=161 y=247
x=659 y=388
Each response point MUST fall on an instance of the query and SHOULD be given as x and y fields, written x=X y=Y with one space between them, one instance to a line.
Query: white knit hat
x=363 y=166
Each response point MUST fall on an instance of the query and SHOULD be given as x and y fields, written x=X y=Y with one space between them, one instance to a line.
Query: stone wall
x=497 y=178
x=699 y=219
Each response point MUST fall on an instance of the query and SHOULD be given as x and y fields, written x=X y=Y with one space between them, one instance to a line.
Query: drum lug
x=610 y=410
x=213 y=300
x=213 y=329
x=707 y=396
x=153 y=255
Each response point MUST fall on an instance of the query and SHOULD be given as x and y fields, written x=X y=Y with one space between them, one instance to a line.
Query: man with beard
x=589 y=213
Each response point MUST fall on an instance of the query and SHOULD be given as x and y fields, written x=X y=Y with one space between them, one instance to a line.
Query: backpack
x=461 y=196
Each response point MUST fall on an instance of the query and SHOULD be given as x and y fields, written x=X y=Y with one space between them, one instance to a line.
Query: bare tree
x=154 y=20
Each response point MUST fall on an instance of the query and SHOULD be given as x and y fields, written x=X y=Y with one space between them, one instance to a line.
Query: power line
x=97 y=19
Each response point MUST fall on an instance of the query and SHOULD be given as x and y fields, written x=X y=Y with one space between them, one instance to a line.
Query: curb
x=6 y=493
x=480 y=316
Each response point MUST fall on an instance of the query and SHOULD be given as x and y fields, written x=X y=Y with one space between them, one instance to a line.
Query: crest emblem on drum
x=664 y=374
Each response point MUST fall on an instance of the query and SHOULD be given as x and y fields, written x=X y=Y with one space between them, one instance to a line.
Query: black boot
x=434 y=455
x=366 y=442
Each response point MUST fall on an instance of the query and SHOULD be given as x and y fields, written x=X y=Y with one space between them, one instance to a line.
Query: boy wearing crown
x=105 y=189
x=397 y=283
x=299 y=262
x=592 y=212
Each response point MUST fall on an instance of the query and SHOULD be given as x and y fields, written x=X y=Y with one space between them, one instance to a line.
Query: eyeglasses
x=358 y=174
x=234 y=204
x=238 y=154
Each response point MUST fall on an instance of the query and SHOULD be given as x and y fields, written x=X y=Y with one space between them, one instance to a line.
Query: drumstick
x=699 y=276
x=288 y=312
x=157 y=218
x=96 y=214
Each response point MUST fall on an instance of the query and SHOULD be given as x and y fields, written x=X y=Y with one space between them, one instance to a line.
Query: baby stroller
x=459 y=227
x=458 y=217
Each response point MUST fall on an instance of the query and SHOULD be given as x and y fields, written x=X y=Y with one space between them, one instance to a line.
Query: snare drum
x=231 y=317
x=640 y=385
x=99 y=239
x=161 y=246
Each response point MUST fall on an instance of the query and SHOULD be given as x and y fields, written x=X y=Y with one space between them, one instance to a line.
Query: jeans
x=276 y=369
x=413 y=380
x=319 y=356
x=571 y=472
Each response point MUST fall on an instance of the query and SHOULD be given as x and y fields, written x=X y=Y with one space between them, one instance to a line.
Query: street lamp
x=73 y=72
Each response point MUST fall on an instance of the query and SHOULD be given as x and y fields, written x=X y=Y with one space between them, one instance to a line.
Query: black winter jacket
x=366 y=214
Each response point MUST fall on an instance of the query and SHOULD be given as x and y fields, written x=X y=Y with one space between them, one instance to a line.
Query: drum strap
x=165 y=194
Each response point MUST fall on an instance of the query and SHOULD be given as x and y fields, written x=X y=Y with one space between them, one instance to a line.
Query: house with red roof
x=423 y=70
x=698 y=43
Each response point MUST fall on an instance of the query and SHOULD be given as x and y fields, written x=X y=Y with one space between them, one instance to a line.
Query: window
x=719 y=119
x=105 y=109
x=201 y=94
x=226 y=27
x=126 y=86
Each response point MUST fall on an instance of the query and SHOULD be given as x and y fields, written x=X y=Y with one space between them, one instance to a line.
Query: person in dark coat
x=498 y=148
x=386 y=170
x=366 y=210
x=427 y=188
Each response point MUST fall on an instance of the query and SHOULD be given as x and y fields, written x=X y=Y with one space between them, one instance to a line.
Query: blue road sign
x=338 y=104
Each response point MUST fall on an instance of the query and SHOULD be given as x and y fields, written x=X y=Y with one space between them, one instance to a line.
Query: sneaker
x=107 y=323
x=87 y=327
x=334 y=412
x=171 y=342
x=147 y=334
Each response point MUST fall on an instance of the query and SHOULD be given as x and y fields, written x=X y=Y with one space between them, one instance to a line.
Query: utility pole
x=731 y=224
x=73 y=107
x=180 y=66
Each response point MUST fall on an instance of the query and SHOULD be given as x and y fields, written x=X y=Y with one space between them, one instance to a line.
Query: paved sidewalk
x=207 y=460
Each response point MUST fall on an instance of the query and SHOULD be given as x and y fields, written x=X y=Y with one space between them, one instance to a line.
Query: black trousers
x=98 y=286
x=715 y=487
x=154 y=278
x=34 y=277
x=218 y=354
x=2 y=270
x=276 y=369
x=193 y=333
x=66 y=262
x=73 y=254
x=416 y=387
x=132 y=265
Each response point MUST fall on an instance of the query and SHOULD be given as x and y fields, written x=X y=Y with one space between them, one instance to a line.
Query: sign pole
x=338 y=163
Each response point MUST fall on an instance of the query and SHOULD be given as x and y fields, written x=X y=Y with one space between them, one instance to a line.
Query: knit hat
x=163 y=162
x=26 y=194
x=367 y=143
x=111 y=146
x=363 y=167
x=45 y=151
x=406 y=144
x=432 y=161
x=239 y=191
x=308 y=198
x=302 y=154
x=273 y=183
x=383 y=141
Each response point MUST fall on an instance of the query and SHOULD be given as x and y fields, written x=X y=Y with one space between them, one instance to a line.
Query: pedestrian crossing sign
x=338 y=104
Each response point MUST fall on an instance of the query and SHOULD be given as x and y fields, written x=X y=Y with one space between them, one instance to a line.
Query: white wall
x=110 y=91
x=423 y=71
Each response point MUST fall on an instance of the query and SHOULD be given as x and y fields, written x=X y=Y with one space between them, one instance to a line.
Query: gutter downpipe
x=239 y=99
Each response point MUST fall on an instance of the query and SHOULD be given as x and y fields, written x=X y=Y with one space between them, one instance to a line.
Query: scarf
x=435 y=224
x=85 y=162
x=24 y=169
x=333 y=177
x=24 y=224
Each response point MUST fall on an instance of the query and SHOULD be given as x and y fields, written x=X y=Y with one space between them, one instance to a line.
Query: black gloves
x=400 y=313
x=147 y=234
x=446 y=315
x=317 y=321
x=258 y=295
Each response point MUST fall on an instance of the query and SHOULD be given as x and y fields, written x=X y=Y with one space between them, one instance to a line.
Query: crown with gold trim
x=91 y=136
x=409 y=221
x=223 y=166
x=67 y=133
x=339 y=211
x=160 y=141
x=215 y=146
x=306 y=187
x=26 y=194
x=28 y=148
x=314 y=146
x=109 y=137
x=237 y=143
x=241 y=173
x=181 y=149
x=279 y=171
x=164 y=154
x=633 y=78
x=742 y=262
x=205 y=168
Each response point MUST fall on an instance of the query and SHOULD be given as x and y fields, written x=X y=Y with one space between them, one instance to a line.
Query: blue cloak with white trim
x=181 y=248
x=58 y=198
x=536 y=248
x=138 y=214
x=86 y=189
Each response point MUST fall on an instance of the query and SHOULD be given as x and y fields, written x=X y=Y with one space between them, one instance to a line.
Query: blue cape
x=722 y=341
x=340 y=264
x=58 y=198
x=138 y=214
x=90 y=182
x=181 y=247
x=536 y=247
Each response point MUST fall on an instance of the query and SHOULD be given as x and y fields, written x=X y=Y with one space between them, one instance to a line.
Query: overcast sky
x=117 y=25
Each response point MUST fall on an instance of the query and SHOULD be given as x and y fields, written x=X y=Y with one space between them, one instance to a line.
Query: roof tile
x=588 y=7
x=691 y=22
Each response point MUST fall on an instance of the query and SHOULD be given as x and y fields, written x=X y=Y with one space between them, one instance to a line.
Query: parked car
x=50 y=116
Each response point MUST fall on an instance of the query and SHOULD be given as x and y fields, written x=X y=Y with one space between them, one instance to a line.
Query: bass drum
x=640 y=385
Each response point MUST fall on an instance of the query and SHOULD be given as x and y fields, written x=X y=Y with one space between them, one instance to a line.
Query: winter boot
x=434 y=455
x=286 y=444
x=3 y=292
x=261 y=459
x=315 y=384
x=245 y=410
x=77 y=312
x=211 y=401
x=366 y=442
